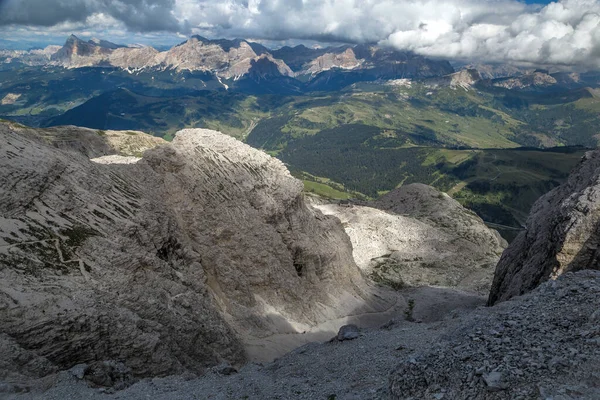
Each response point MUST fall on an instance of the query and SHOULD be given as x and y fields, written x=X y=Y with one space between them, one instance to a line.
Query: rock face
x=465 y=79
x=538 y=78
x=344 y=60
x=166 y=264
x=562 y=234
x=411 y=236
x=199 y=54
x=543 y=345
x=10 y=98
x=77 y=53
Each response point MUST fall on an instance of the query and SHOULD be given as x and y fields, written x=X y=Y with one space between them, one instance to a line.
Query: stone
x=493 y=381
x=78 y=371
x=348 y=332
x=225 y=369
x=109 y=374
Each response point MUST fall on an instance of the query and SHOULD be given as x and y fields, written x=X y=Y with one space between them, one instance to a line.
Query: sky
x=559 y=33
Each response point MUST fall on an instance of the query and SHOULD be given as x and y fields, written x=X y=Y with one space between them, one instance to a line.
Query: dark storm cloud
x=137 y=15
x=44 y=12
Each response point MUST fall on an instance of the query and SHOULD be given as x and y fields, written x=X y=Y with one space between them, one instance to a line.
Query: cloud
x=566 y=32
x=136 y=15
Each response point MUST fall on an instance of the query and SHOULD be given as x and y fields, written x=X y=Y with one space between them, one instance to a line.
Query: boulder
x=348 y=332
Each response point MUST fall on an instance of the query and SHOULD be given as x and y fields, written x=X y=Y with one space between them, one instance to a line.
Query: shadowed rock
x=562 y=234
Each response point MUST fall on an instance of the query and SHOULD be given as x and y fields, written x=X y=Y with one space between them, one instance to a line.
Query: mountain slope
x=499 y=353
x=562 y=235
x=410 y=237
x=160 y=263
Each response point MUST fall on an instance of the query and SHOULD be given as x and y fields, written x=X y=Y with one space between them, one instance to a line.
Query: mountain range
x=228 y=61
x=236 y=59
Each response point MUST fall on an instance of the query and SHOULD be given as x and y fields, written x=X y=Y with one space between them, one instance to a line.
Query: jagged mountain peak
x=464 y=78
x=72 y=37
x=225 y=44
x=239 y=58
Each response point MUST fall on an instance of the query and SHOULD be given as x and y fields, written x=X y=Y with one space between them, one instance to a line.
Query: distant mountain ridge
x=288 y=69
x=234 y=59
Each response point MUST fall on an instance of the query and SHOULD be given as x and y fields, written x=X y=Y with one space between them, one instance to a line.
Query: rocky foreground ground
x=545 y=345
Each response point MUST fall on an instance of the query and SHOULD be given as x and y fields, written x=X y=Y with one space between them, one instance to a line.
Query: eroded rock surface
x=169 y=264
x=416 y=236
x=562 y=234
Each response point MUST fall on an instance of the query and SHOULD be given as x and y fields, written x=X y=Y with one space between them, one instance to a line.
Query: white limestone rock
x=171 y=264
x=418 y=236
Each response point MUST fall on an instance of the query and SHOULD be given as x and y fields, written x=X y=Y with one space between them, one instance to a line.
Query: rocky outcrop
x=465 y=79
x=562 y=234
x=496 y=71
x=77 y=53
x=134 y=58
x=538 y=78
x=412 y=235
x=90 y=142
x=344 y=60
x=168 y=263
x=10 y=98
